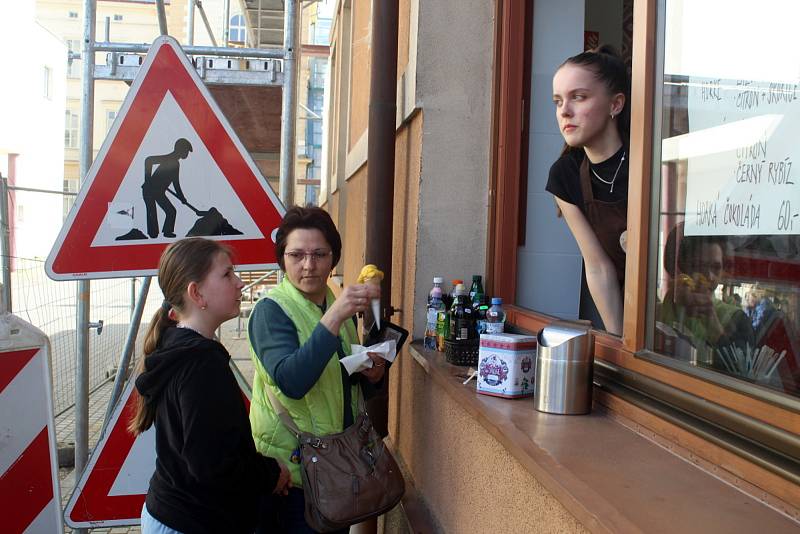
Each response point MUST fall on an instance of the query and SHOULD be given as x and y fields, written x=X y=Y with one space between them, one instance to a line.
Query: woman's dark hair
x=682 y=251
x=184 y=261
x=307 y=218
x=608 y=67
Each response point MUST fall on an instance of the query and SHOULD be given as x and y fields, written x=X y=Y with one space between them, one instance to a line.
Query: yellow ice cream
x=696 y=283
x=370 y=273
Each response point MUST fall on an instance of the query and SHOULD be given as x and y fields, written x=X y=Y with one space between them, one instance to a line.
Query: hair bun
x=607 y=49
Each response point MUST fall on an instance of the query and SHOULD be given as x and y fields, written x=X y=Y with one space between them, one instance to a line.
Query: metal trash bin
x=564 y=368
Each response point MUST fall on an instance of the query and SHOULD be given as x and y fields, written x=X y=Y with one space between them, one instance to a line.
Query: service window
x=724 y=292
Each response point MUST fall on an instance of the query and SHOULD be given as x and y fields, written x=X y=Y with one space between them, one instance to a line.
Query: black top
x=565 y=178
x=208 y=477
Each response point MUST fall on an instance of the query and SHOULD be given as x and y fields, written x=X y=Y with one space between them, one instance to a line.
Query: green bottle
x=476 y=293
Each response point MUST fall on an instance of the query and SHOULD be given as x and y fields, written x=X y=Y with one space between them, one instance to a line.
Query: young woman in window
x=590 y=179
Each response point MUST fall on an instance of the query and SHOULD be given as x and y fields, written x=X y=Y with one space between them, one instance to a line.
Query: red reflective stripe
x=26 y=488
x=94 y=502
x=11 y=363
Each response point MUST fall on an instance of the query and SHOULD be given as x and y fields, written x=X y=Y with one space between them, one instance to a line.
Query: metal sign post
x=83 y=303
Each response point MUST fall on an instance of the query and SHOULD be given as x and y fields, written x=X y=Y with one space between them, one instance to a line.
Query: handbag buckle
x=317 y=443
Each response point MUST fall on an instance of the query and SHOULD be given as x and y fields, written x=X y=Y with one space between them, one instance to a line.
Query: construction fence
x=51 y=306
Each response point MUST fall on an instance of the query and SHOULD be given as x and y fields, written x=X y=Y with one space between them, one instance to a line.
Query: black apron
x=608 y=219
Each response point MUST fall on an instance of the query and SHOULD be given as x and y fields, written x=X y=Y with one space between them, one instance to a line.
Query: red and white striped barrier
x=29 y=490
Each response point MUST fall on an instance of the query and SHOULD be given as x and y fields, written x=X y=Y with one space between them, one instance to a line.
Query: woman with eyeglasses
x=691 y=308
x=298 y=333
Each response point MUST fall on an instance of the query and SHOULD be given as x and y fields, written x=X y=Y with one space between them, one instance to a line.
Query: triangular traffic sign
x=112 y=488
x=170 y=167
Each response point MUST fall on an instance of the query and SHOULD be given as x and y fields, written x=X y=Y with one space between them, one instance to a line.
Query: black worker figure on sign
x=162 y=176
x=156 y=184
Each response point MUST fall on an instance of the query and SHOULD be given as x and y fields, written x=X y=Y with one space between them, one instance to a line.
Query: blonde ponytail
x=144 y=413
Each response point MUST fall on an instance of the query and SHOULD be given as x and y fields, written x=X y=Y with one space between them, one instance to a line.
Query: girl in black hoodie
x=209 y=477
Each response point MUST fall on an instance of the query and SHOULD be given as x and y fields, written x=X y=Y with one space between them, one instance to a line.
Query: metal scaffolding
x=260 y=67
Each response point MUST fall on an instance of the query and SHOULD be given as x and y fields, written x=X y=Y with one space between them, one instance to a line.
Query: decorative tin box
x=506 y=365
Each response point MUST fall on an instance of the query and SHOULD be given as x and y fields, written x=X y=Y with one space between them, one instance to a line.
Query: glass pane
x=727 y=294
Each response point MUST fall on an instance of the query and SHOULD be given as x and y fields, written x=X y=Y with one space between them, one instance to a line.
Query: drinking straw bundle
x=756 y=364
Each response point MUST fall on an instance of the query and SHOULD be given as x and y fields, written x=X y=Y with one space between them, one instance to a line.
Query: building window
x=71 y=130
x=237 y=29
x=47 y=80
x=73 y=14
x=727 y=287
x=110 y=117
x=73 y=65
x=70 y=186
x=117 y=18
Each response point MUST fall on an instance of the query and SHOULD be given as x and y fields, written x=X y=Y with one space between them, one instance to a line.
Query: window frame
x=628 y=353
x=68 y=130
x=47 y=82
x=240 y=29
x=751 y=390
x=110 y=120
x=73 y=65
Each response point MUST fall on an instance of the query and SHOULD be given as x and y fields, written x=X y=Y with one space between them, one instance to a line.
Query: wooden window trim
x=507 y=138
x=507 y=135
x=640 y=172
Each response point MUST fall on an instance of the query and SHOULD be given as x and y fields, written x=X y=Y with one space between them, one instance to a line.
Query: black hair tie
x=166 y=305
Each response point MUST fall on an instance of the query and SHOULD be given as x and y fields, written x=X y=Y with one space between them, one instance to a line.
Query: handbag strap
x=283 y=414
x=287 y=420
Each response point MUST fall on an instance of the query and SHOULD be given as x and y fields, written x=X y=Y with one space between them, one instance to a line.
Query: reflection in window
x=727 y=294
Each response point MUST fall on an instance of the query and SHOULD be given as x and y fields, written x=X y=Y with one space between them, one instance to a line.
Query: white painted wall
x=32 y=124
x=549 y=264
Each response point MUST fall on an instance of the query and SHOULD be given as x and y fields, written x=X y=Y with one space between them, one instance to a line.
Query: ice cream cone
x=370 y=274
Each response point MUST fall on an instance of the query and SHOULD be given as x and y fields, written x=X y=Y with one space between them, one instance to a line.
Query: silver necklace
x=614 y=179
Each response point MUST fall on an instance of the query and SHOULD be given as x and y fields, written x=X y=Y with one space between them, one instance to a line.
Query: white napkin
x=358 y=360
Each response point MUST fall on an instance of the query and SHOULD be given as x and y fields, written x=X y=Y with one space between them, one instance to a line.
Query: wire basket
x=462 y=352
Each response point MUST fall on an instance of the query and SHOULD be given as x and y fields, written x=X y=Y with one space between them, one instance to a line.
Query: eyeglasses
x=297 y=256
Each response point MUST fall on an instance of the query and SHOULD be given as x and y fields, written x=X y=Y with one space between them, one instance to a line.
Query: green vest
x=320 y=410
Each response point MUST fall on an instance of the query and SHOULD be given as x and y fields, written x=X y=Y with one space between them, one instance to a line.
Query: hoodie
x=209 y=476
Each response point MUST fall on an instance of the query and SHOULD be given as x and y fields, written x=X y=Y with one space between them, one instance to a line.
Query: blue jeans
x=151 y=525
x=286 y=514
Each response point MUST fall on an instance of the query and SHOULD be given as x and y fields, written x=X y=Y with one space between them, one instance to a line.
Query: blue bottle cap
x=497 y=300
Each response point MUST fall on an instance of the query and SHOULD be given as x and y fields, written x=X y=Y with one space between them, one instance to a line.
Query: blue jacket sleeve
x=294 y=368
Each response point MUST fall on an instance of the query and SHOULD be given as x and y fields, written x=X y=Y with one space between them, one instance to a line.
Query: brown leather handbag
x=348 y=477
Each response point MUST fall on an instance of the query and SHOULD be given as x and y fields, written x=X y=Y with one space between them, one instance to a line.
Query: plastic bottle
x=476 y=291
x=462 y=323
x=495 y=317
x=437 y=282
x=449 y=298
x=480 y=316
x=442 y=329
x=434 y=307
